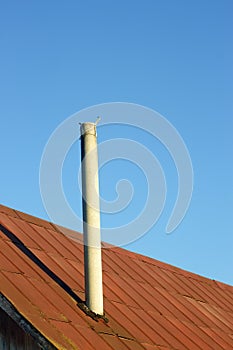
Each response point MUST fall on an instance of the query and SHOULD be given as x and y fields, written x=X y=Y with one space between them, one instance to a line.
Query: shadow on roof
x=19 y=244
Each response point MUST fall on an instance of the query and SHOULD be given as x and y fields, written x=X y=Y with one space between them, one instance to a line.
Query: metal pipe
x=91 y=219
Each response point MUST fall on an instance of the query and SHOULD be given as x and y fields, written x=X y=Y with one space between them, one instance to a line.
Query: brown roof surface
x=150 y=305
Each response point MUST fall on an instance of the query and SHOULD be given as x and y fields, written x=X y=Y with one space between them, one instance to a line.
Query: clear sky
x=174 y=56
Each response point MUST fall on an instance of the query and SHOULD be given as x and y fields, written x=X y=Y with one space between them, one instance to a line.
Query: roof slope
x=149 y=304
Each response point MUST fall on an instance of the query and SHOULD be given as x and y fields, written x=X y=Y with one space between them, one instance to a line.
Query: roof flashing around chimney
x=92 y=314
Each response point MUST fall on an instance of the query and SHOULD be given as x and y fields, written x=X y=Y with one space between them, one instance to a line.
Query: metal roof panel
x=150 y=305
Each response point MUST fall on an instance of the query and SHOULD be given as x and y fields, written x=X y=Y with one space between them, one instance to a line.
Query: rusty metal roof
x=149 y=304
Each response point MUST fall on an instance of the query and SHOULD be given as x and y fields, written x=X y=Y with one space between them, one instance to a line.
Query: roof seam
x=131 y=308
x=170 y=332
x=197 y=332
x=114 y=334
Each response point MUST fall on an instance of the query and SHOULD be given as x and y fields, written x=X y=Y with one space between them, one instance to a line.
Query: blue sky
x=175 y=57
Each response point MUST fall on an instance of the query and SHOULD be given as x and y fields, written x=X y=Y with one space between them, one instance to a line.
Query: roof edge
x=24 y=324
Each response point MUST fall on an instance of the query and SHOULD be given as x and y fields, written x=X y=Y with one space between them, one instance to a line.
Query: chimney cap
x=88 y=127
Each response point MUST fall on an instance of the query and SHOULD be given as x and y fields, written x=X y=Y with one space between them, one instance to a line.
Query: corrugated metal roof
x=149 y=304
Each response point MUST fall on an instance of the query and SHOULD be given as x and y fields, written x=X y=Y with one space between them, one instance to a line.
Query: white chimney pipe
x=91 y=219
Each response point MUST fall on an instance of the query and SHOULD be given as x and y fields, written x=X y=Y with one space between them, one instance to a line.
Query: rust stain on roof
x=150 y=305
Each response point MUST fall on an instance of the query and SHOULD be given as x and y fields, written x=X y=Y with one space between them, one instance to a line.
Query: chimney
x=91 y=219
